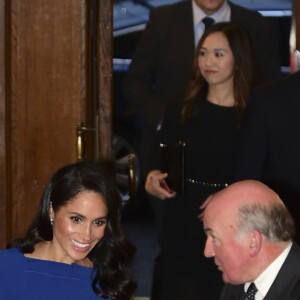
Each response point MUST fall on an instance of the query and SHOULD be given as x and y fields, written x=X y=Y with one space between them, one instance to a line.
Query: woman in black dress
x=207 y=122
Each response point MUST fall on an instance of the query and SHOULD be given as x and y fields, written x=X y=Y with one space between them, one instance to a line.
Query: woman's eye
x=201 y=53
x=100 y=222
x=219 y=54
x=76 y=219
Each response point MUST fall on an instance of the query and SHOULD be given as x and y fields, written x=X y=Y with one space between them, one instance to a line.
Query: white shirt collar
x=264 y=281
x=221 y=15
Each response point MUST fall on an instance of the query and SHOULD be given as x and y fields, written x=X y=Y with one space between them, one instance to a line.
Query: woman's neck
x=221 y=95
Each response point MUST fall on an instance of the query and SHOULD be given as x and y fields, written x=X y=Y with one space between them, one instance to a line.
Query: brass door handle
x=81 y=142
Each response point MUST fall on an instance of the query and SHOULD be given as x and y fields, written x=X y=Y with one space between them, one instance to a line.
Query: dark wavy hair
x=112 y=256
x=246 y=75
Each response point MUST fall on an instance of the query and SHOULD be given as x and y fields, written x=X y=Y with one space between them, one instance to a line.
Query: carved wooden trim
x=105 y=80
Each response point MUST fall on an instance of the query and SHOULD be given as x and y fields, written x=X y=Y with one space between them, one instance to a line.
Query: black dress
x=210 y=138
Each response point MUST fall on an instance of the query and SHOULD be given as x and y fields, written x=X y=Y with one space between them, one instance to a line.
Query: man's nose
x=209 y=248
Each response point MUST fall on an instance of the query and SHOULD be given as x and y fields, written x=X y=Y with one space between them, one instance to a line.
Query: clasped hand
x=153 y=185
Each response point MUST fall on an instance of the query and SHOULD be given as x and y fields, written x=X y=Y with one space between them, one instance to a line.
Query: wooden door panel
x=46 y=96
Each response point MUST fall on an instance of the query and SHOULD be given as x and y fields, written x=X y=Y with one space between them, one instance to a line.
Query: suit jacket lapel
x=234 y=12
x=286 y=285
x=232 y=292
x=185 y=29
x=287 y=277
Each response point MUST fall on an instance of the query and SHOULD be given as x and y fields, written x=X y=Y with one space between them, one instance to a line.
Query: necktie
x=250 y=295
x=208 y=22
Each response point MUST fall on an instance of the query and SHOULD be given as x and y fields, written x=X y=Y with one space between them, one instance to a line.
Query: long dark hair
x=246 y=75
x=112 y=256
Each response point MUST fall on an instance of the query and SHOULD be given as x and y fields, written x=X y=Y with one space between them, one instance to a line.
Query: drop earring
x=50 y=213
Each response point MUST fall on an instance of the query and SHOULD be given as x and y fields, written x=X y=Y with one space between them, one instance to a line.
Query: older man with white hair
x=250 y=236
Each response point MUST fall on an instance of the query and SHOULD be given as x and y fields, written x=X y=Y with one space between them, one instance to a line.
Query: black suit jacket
x=270 y=140
x=285 y=287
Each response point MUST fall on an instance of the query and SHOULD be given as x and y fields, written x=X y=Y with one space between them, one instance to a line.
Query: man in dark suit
x=249 y=235
x=270 y=144
x=162 y=64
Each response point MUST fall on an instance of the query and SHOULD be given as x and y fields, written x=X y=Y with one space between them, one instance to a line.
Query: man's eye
x=216 y=241
x=76 y=219
x=212 y=237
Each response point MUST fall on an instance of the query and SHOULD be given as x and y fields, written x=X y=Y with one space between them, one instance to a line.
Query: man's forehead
x=219 y=213
x=219 y=225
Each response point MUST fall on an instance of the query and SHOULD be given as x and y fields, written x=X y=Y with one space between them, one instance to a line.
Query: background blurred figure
x=74 y=248
x=162 y=64
x=249 y=235
x=270 y=144
x=207 y=122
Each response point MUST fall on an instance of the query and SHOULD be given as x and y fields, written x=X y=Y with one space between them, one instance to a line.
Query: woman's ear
x=51 y=211
x=255 y=242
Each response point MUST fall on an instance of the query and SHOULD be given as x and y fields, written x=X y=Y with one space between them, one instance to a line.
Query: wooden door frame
x=3 y=163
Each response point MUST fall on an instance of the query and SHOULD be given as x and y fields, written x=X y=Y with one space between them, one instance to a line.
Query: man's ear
x=255 y=242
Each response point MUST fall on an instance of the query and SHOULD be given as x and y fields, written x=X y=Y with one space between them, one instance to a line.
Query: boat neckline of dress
x=53 y=261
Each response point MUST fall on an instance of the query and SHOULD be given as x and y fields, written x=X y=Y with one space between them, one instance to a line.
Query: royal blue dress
x=27 y=278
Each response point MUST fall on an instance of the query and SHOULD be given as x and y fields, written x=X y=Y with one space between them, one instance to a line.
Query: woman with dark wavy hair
x=75 y=248
x=205 y=126
x=244 y=75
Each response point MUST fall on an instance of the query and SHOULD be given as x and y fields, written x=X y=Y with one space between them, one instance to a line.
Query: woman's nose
x=209 y=59
x=86 y=232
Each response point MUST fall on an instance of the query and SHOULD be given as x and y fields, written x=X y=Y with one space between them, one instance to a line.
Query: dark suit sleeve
x=253 y=144
x=139 y=82
x=264 y=34
x=268 y=55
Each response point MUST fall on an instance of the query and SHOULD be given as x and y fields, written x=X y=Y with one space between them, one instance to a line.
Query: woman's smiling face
x=78 y=226
x=215 y=60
